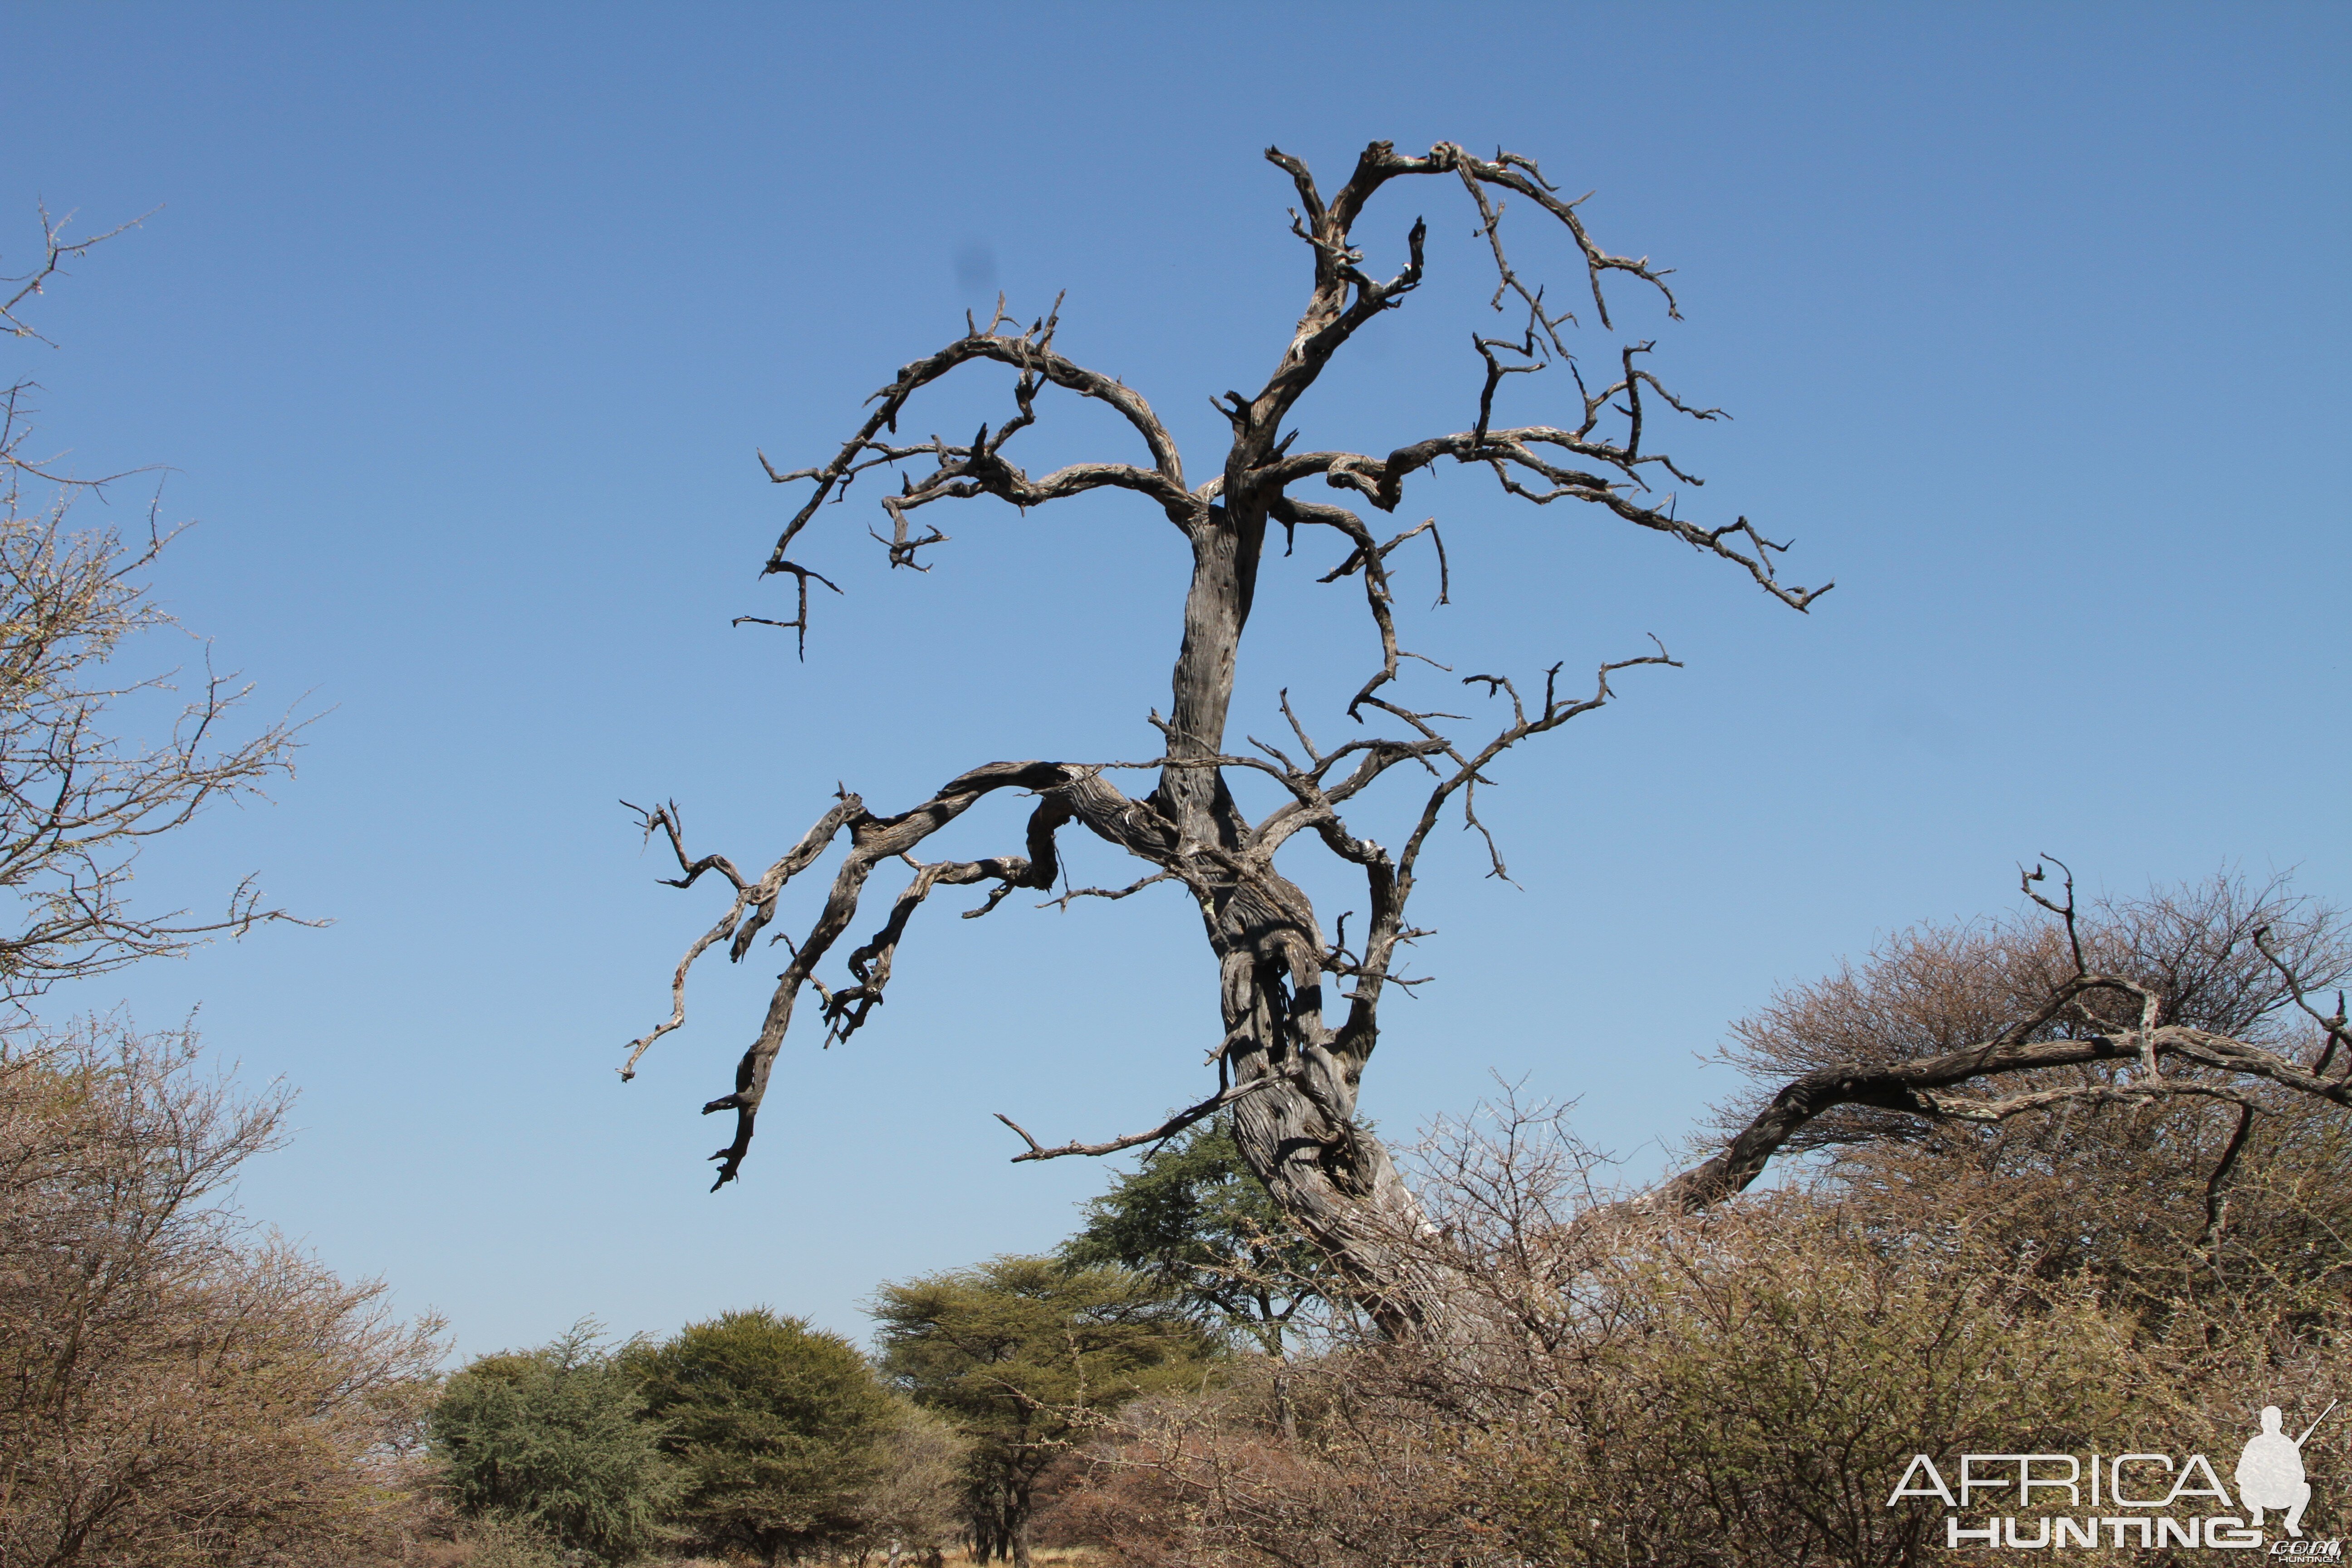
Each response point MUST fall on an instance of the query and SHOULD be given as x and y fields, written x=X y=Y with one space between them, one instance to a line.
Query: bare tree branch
x=1168 y=1129
x=2217 y=1204
x=56 y=251
x=1914 y=1085
x=2332 y=1025
x=77 y=800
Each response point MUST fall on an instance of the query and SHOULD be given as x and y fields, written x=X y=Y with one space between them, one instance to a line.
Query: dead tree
x=1288 y=1062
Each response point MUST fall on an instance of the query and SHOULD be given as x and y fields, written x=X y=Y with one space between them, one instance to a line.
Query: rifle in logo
x=2270 y=1471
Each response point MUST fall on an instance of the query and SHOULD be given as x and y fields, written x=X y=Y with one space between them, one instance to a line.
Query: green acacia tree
x=1022 y=1354
x=781 y=1430
x=553 y=1437
x=1193 y=1220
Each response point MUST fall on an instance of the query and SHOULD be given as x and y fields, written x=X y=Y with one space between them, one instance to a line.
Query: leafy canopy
x=1024 y=1355
x=1193 y=1220
x=552 y=1437
x=783 y=1430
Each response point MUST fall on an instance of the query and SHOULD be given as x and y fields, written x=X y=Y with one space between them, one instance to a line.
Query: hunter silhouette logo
x=2142 y=1500
x=2270 y=1472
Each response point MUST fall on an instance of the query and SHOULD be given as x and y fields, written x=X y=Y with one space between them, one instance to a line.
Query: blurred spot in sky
x=975 y=267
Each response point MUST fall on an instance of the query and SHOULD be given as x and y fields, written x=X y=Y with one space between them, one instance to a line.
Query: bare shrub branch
x=79 y=799
x=172 y=1386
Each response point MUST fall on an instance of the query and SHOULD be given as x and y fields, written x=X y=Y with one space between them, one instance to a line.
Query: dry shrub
x=912 y=1511
x=1943 y=987
x=2193 y=1205
x=173 y=1389
x=1744 y=1387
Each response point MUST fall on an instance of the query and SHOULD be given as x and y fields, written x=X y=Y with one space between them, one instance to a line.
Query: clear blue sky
x=460 y=326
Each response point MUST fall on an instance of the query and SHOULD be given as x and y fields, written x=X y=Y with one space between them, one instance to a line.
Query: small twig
x=1168 y=1129
x=2026 y=880
x=1135 y=887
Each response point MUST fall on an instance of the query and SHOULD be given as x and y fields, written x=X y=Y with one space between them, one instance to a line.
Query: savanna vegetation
x=176 y=1386
x=2045 y=1182
x=1626 y=1381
